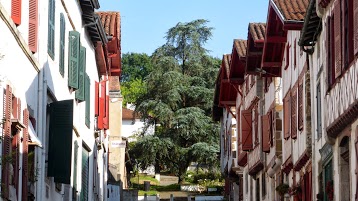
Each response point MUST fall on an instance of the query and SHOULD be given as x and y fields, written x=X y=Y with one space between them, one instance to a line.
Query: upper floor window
x=51 y=29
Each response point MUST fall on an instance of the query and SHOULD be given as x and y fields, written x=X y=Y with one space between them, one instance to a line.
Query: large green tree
x=135 y=67
x=177 y=100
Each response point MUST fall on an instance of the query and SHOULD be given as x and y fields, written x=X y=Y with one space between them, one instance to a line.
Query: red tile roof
x=128 y=114
x=111 y=22
x=240 y=46
x=257 y=31
x=226 y=63
x=292 y=9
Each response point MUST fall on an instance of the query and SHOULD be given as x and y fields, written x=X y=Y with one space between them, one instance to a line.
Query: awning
x=33 y=139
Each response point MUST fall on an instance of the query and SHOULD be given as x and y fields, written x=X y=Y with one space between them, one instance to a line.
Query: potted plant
x=282 y=189
x=295 y=190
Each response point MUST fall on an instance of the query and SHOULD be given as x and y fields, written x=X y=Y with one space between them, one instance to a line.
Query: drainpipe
x=41 y=125
x=41 y=113
x=313 y=125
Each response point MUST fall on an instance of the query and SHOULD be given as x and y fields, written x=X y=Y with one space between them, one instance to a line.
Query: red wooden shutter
x=355 y=26
x=272 y=124
x=328 y=45
x=102 y=105
x=106 y=119
x=286 y=116
x=265 y=134
x=246 y=132
x=356 y=143
x=16 y=11
x=6 y=139
x=294 y=114
x=300 y=106
x=337 y=38
x=256 y=121
x=15 y=161
x=25 y=150
x=309 y=185
x=96 y=99
x=14 y=108
x=19 y=109
x=33 y=25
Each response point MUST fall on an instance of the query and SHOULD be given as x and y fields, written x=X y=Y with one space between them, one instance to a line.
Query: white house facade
x=54 y=83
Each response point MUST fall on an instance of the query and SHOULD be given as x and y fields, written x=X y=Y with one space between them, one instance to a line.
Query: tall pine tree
x=178 y=99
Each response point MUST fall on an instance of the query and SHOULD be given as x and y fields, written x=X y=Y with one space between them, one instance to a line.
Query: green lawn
x=142 y=178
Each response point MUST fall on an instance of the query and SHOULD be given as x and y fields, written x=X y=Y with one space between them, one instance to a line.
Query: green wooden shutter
x=73 y=58
x=80 y=93
x=51 y=29
x=75 y=158
x=60 y=141
x=62 y=44
x=88 y=99
x=85 y=175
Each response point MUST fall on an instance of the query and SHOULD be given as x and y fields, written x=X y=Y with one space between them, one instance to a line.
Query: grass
x=149 y=193
x=155 y=188
x=142 y=178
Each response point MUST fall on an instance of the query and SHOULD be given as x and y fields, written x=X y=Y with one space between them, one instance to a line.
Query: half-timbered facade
x=333 y=49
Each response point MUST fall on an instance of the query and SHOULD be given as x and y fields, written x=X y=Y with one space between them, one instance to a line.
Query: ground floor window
x=85 y=174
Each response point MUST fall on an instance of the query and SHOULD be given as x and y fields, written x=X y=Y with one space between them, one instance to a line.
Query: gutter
x=282 y=18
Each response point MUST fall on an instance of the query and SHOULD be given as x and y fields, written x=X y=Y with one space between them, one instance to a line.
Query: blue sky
x=145 y=22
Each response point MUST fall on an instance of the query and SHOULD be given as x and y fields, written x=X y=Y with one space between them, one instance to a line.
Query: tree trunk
x=157 y=167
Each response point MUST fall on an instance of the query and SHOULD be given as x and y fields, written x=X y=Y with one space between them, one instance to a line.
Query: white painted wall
x=17 y=70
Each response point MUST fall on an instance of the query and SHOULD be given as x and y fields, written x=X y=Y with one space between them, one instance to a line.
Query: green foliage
x=178 y=98
x=132 y=90
x=282 y=189
x=213 y=178
x=142 y=178
x=135 y=66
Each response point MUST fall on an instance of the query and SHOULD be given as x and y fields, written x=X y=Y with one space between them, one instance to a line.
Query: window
x=247 y=182
x=294 y=54
x=80 y=92
x=51 y=29
x=60 y=140
x=16 y=11
x=287 y=56
x=256 y=122
x=330 y=52
x=73 y=59
x=257 y=181
x=246 y=130
x=75 y=160
x=266 y=132
x=263 y=184
x=62 y=44
x=272 y=125
x=294 y=113
x=300 y=105
x=319 y=111
x=33 y=25
x=286 y=117
x=88 y=100
x=347 y=32
x=85 y=173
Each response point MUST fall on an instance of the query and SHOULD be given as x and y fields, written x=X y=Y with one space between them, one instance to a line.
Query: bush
x=197 y=178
